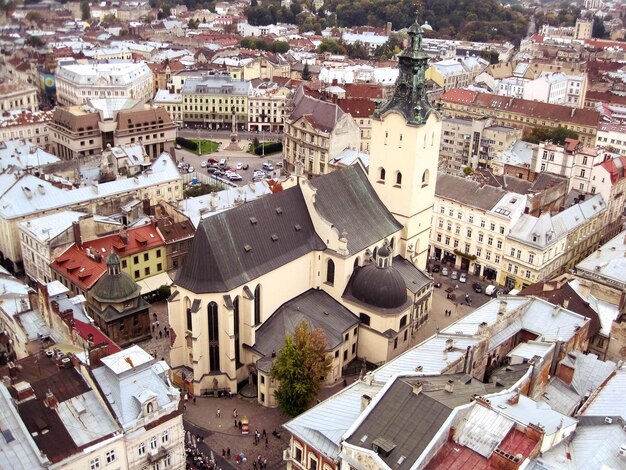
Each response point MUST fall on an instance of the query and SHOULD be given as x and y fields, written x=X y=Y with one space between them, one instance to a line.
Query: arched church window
x=330 y=272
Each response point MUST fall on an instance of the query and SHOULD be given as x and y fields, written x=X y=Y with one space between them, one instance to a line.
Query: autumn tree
x=85 y=10
x=300 y=367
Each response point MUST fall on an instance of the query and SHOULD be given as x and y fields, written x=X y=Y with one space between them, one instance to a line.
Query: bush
x=270 y=147
x=188 y=144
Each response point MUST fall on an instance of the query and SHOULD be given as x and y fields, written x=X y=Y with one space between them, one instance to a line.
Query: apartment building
x=25 y=197
x=267 y=103
x=473 y=143
x=172 y=102
x=212 y=101
x=521 y=113
x=540 y=247
x=612 y=136
x=316 y=132
x=27 y=125
x=18 y=97
x=471 y=222
x=79 y=82
x=571 y=160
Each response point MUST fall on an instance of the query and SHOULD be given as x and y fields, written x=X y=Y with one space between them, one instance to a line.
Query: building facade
x=77 y=83
x=316 y=132
x=215 y=101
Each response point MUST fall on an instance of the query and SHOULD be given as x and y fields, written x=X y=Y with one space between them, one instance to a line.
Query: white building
x=547 y=87
x=21 y=154
x=76 y=83
x=172 y=102
x=138 y=390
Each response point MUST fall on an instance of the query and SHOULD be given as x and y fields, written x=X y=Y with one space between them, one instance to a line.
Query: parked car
x=235 y=177
x=212 y=161
x=279 y=164
x=190 y=169
x=454 y=275
x=477 y=287
x=268 y=166
x=437 y=284
x=218 y=173
x=491 y=290
x=245 y=166
x=436 y=268
x=239 y=166
x=444 y=271
x=203 y=164
x=222 y=162
x=463 y=278
x=258 y=174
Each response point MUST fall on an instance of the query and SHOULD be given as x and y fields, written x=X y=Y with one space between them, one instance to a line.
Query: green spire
x=409 y=96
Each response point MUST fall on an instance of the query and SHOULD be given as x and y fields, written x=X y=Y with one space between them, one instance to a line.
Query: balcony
x=289 y=457
x=157 y=454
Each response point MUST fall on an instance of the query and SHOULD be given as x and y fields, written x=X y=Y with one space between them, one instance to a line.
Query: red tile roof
x=615 y=172
x=84 y=330
x=84 y=271
x=363 y=90
x=453 y=456
x=537 y=109
x=357 y=107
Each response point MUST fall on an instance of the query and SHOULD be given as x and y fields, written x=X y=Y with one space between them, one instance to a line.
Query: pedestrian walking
x=160 y=334
x=228 y=453
x=194 y=399
x=266 y=443
x=264 y=434
x=239 y=424
x=184 y=408
x=157 y=323
x=223 y=453
x=235 y=423
x=254 y=465
x=153 y=326
x=218 y=413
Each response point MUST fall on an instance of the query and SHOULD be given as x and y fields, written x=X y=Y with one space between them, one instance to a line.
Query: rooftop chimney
x=418 y=387
x=365 y=400
x=449 y=387
x=565 y=303
x=23 y=390
x=513 y=399
x=51 y=401
x=502 y=307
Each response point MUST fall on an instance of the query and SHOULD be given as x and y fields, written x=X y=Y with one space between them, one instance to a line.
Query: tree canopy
x=299 y=368
x=555 y=134
x=459 y=19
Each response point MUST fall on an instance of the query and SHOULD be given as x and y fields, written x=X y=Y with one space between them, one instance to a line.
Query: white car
x=239 y=165
x=235 y=177
x=190 y=170
x=203 y=164
x=259 y=174
x=463 y=278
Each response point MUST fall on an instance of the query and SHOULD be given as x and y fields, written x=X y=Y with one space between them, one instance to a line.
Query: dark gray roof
x=315 y=307
x=414 y=278
x=409 y=420
x=465 y=190
x=323 y=113
x=236 y=246
x=546 y=180
x=347 y=200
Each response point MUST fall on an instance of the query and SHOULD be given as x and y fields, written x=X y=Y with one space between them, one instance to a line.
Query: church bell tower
x=406 y=131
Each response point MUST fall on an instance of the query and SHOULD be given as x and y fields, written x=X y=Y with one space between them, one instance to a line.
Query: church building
x=343 y=252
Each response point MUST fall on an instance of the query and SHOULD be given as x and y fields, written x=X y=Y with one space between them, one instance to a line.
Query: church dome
x=115 y=285
x=381 y=287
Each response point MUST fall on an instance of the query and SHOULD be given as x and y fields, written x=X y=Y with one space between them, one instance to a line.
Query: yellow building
x=539 y=248
x=213 y=100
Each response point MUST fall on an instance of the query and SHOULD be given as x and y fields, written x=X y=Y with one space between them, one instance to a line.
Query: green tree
x=85 y=10
x=468 y=170
x=34 y=41
x=329 y=45
x=34 y=17
x=193 y=24
x=490 y=55
x=306 y=73
x=598 y=30
x=556 y=135
x=299 y=367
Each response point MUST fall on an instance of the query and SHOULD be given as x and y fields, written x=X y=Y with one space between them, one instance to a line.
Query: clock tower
x=406 y=131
